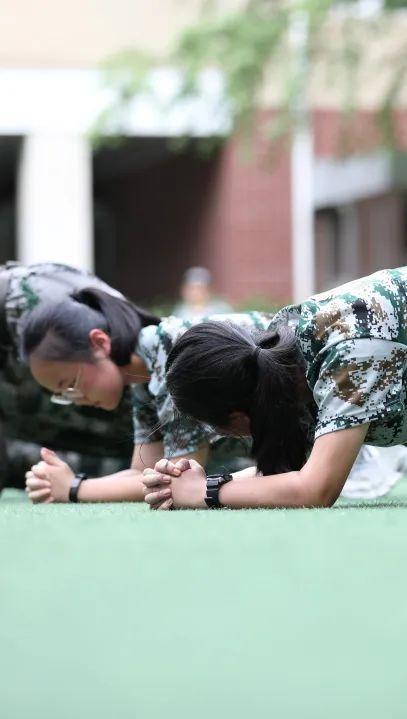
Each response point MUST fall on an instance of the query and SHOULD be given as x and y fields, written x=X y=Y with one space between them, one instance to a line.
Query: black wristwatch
x=76 y=483
x=213 y=484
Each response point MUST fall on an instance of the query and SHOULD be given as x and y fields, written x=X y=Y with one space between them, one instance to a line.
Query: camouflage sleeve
x=145 y=418
x=360 y=382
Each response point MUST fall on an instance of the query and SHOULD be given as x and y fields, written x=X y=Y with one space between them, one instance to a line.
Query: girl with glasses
x=93 y=439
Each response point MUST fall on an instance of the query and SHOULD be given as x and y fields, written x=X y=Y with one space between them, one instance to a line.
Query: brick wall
x=248 y=226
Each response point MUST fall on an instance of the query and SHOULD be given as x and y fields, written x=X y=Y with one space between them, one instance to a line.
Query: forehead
x=50 y=374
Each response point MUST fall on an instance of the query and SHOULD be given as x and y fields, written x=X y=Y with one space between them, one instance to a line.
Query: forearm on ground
x=279 y=490
x=318 y=484
x=125 y=486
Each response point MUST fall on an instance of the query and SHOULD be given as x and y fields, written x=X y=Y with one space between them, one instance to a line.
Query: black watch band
x=74 y=488
x=213 y=484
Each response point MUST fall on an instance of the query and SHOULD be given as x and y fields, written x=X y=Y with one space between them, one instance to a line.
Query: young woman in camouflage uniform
x=327 y=376
x=88 y=349
x=92 y=439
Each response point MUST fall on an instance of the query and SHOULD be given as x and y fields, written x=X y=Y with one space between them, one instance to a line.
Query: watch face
x=218 y=479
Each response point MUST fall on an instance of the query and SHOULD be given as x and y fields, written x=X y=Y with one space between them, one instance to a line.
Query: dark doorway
x=9 y=155
x=149 y=210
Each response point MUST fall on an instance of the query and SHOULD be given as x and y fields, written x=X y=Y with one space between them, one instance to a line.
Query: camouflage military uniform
x=153 y=412
x=28 y=418
x=354 y=342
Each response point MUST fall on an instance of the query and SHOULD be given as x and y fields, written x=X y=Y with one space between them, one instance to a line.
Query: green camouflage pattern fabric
x=354 y=342
x=98 y=442
x=154 y=417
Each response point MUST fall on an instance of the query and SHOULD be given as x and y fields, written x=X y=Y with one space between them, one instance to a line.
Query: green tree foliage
x=274 y=43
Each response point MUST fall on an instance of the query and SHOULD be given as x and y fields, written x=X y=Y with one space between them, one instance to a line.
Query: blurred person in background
x=92 y=440
x=197 y=297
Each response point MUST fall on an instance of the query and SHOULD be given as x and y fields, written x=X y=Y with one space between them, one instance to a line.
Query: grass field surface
x=116 y=612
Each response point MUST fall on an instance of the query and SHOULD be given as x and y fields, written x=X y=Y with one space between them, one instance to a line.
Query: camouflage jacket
x=153 y=412
x=354 y=342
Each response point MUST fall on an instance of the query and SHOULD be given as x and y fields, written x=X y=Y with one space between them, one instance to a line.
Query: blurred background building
x=138 y=214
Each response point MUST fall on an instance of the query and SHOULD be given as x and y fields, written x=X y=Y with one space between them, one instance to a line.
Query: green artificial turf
x=115 y=612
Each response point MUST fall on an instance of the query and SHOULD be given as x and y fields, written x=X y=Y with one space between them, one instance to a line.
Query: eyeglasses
x=70 y=394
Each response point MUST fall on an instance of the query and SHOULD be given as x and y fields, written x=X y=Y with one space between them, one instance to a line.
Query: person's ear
x=100 y=344
x=239 y=423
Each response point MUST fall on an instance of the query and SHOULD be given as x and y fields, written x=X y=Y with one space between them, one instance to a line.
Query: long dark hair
x=60 y=332
x=217 y=368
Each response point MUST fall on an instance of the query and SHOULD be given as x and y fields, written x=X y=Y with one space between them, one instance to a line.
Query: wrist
x=75 y=487
x=228 y=490
x=82 y=495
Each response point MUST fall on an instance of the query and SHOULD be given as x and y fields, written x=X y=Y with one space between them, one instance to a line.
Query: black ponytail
x=217 y=368
x=60 y=332
x=282 y=412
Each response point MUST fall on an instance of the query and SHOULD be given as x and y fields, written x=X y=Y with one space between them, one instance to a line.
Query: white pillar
x=302 y=213
x=54 y=201
x=302 y=165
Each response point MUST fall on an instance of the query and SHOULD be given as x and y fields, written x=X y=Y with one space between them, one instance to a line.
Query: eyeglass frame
x=69 y=394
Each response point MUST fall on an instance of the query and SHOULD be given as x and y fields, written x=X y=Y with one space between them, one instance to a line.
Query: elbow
x=324 y=500
x=320 y=497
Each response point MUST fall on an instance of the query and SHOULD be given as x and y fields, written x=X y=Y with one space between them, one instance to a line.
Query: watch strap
x=75 y=484
x=213 y=484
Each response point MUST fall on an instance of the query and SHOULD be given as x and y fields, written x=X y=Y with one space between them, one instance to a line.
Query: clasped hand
x=49 y=480
x=175 y=485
